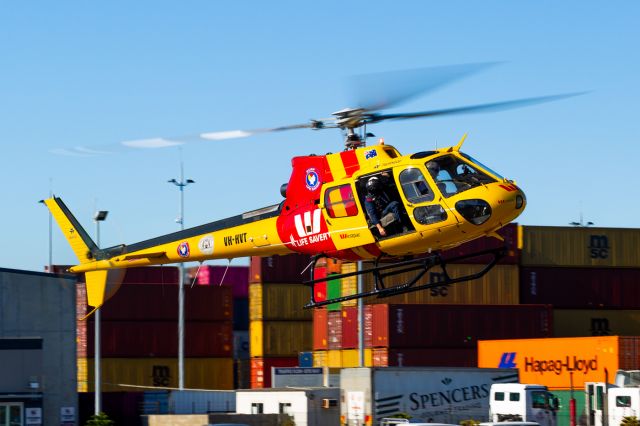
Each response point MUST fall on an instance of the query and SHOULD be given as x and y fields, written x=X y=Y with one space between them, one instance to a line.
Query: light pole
x=99 y=216
x=181 y=184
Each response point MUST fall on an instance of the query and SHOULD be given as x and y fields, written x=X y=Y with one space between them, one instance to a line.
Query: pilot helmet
x=374 y=185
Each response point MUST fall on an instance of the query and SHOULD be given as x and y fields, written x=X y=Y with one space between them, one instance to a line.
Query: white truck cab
x=516 y=402
x=623 y=402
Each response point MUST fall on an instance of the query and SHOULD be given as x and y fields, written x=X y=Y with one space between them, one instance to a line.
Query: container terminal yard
x=560 y=310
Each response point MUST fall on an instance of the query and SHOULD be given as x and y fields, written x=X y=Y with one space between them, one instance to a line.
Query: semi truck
x=423 y=394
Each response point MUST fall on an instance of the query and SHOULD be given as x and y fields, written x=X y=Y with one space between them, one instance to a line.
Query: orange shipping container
x=550 y=362
x=500 y=286
x=580 y=246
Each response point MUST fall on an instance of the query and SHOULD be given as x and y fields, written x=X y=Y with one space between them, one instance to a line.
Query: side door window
x=340 y=202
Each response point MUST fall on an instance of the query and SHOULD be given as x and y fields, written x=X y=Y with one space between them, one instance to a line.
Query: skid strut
x=386 y=271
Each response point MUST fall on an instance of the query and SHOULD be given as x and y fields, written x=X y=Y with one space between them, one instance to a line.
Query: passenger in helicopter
x=384 y=213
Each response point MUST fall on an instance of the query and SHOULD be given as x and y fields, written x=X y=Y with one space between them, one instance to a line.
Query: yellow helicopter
x=363 y=203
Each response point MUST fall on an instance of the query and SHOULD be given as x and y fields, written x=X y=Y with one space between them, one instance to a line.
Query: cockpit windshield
x=452 y=175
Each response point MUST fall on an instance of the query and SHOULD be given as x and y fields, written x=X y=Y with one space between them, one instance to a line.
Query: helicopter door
x=345 y=219
x=422 y=205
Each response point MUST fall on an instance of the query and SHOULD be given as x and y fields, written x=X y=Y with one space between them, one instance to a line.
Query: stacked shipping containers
x=237 y=278
x=139 y=336
x=444 y=322
x=279 y=327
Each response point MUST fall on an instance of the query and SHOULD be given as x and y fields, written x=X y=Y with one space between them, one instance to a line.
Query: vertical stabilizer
x=101 y=285
x=80 y=242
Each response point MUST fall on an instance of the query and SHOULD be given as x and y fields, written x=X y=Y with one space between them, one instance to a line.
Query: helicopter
x=441 y=198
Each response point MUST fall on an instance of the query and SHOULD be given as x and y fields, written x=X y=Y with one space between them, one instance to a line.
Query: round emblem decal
x=183 y=249
x=311 y=179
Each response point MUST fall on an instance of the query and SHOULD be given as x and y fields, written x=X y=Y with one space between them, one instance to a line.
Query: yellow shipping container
x=580 y=246
x=83 y=375
x=500 y=286
x=279 y=302
x=351 y=358
x=349 y=285
x=320 y=358
x=551 y=362
x=140 y=374
x=595 y=322
x=279 y=338
x=334 y=359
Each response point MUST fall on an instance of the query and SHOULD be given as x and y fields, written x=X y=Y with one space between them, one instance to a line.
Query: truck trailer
x=423 y=394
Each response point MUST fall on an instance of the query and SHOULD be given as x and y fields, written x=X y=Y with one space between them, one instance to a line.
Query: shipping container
x=349 y=285
x=240 y=344
x=334 y=329
x=261 y=369
x=334 y=290
x=320 y=329
x=334 y=266
x=334 y=358
x=351 y=358
x=141 y=339
x=425 y=357
x=595 y=322
x=305 y=359
x=136 y=374
x=457 y=326
x=242 y=373
x=581 y=287
x=320 y=358
x=152 y=302
x=201 y=402
x=350 y=326
x=241 y=314
x=498 y=287
x=279 y=269
x=279 y=338
x=320 y=289
x=580 y=246
x=236 y=277
x=509 y=233
x=279 y=302
x=555 y=362
x=434 y=395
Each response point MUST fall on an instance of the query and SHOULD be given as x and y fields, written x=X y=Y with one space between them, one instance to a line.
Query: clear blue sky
x=92 y=73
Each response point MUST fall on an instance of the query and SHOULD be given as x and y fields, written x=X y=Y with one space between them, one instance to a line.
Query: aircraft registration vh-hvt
x=363 y=203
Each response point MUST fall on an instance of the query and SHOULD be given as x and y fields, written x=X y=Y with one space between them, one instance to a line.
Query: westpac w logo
x=507 y=360
x=310 y=226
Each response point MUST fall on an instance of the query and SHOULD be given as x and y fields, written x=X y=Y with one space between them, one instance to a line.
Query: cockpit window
x=415 y=186
x=452 y=175
x=473 y=160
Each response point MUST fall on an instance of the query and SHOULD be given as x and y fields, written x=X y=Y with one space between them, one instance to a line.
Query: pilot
x=378 y=205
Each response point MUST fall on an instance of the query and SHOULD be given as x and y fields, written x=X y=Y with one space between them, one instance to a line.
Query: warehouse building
x=37 y=348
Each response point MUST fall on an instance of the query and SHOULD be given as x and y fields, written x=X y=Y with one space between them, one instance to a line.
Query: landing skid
x=421 y=266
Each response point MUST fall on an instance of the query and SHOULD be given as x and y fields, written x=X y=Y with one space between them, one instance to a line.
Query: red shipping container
x=350 y=327
x=141 y=339
x=150 y=302
x=457 y=326
x=261 y=370
x=279 y=269
x=334 y=327
x=320 y=330
x=152 y=275
x=236 y=277
x=510 y=235
x=425 y=357
x=581 y=287
x=320 y=289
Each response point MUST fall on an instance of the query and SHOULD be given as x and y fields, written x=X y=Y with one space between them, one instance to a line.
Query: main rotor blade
x=491 y=107
x=384 y=90
x=159 y=142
